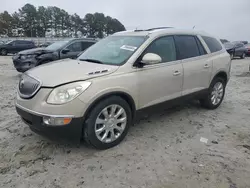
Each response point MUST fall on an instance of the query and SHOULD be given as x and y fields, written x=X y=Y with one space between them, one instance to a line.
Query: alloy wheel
x=217 y=93
x=110 y=123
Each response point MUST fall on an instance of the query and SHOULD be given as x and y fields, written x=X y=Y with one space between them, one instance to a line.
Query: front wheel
x=107 y=123
x=3 y=52
x=243 y=56
x=215 y=94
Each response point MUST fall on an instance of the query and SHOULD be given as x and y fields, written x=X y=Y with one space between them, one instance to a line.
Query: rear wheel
x=243 y=56
x=215 y=94
x=108 y=123
x=3 y=52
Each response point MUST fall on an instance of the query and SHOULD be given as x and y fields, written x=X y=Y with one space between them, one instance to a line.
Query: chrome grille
x=28 y=86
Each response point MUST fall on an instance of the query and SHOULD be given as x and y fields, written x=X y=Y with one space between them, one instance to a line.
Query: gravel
x=162 y=150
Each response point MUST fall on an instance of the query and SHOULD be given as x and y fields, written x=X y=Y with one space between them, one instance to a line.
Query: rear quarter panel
x=221 y=63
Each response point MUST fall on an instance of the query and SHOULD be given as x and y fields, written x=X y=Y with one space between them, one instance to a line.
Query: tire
x=232 y=56
x=243 y=56
x=3 y=52
x=93 y=132
x=208 y=102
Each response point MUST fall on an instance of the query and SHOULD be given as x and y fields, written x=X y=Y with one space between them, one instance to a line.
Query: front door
x=160 y=82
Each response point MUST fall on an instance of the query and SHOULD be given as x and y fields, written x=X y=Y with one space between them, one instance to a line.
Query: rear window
x=212 y=43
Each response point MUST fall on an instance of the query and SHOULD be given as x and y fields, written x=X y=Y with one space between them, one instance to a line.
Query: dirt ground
x=162 y=150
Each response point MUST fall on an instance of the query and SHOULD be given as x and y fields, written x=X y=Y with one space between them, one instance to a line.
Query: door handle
x=206 y=66
x=176 y=73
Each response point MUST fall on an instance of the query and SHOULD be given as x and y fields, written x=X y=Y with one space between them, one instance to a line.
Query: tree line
x=52 y=21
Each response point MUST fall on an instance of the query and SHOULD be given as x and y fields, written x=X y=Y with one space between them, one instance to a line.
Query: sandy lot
x=162 y=150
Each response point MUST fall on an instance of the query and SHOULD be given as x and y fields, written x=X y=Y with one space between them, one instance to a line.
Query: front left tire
x=108 y=123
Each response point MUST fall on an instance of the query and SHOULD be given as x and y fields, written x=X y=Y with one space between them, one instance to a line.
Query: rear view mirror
x=64 y=51
x=151 y=58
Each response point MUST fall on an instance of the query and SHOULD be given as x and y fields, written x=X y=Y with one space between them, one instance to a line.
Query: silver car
x=96 y=96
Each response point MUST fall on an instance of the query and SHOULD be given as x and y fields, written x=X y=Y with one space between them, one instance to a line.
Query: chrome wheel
x=217 y=93
x=110 y=123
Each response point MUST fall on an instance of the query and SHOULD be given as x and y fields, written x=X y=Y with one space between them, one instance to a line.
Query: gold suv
x=96 y=96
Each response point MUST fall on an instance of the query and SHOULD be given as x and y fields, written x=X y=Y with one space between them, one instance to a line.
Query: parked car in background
x=28 y=59
x=230 y=49
x=96 y=96
x=224 y=41
x=248 y=49
x=244 y=42
x=236 y=49
x=43 y=45
x=15 y=46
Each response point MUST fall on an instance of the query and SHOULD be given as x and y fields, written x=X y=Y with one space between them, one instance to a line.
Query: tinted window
x=213 y=44
x=75 y=47
x=239 y=45
x=25 y=42
x=85 y=45
x=187 y=47
x=164 y=47
x=201 y=47
x=56 y=46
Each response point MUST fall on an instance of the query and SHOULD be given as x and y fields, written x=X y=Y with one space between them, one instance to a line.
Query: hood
x=37 y=51
x=68 y=70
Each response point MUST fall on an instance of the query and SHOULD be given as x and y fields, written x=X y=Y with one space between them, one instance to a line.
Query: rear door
x=197 y=68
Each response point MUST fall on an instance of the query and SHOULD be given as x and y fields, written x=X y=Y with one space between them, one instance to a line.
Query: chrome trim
x=28 y=96
x=42 y=114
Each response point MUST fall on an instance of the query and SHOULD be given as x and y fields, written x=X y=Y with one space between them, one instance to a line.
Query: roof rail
x=151 y=29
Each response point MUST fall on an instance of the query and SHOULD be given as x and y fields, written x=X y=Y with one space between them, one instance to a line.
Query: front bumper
x=23 y=65
x=71 y=132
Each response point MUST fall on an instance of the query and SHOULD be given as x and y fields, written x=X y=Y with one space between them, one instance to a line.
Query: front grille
x=28 y=86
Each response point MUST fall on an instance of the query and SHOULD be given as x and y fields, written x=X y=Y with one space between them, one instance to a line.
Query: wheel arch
x=128 y=98
x=221 y=74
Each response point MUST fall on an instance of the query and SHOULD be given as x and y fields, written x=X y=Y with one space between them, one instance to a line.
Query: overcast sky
x=223 y=18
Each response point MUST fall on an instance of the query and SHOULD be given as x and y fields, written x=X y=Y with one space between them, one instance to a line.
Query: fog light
x=56 y=120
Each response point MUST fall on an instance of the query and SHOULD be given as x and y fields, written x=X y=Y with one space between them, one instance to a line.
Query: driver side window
x=164 y=47
x=75 y=47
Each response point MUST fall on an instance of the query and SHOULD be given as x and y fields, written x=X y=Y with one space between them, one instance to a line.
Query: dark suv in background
x=16 y=46
x=236 y=49
x=28 y=59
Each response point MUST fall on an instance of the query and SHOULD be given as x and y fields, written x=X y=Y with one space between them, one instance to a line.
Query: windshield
x=113 y=50
x=57 y=45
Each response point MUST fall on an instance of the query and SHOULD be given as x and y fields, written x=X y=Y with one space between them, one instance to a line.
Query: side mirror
x=65 y=51
x=150 y=59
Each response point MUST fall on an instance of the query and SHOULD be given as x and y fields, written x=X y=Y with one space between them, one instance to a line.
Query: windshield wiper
x=92 y=61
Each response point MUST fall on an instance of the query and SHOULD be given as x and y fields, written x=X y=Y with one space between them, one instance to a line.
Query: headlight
x=68 y=92
x=28 y=56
